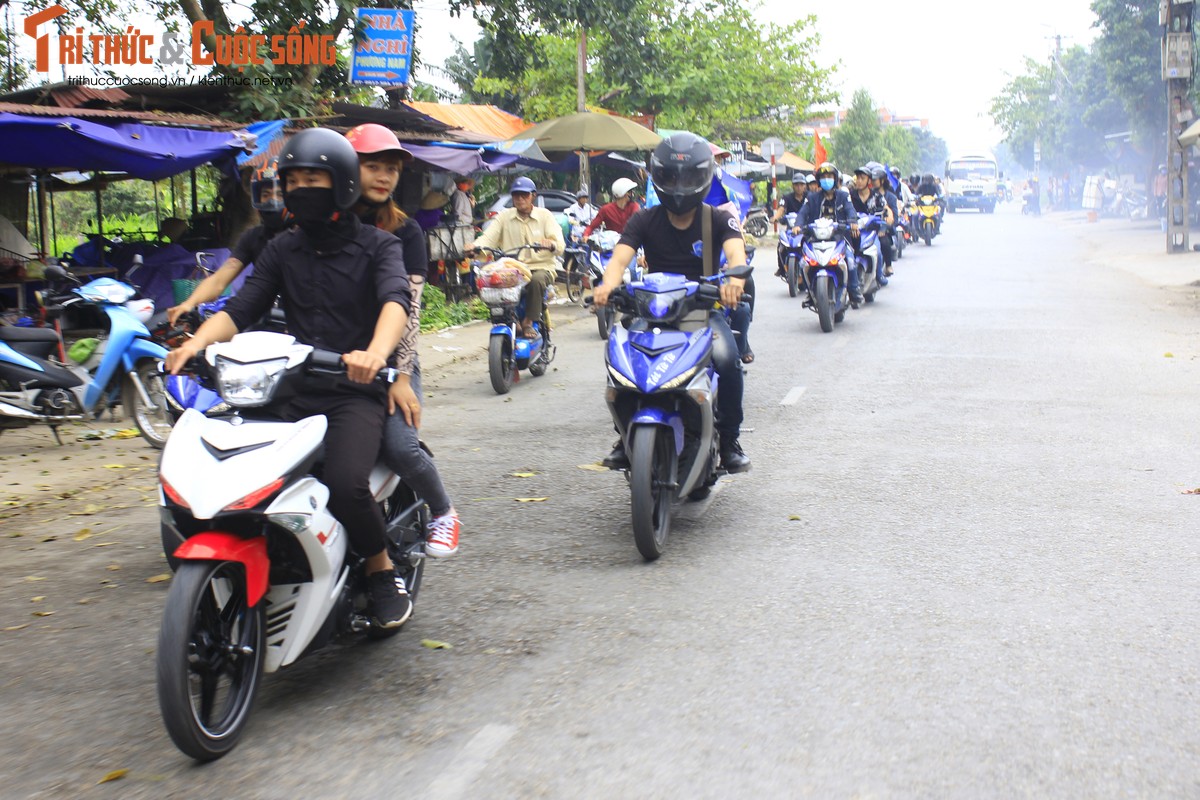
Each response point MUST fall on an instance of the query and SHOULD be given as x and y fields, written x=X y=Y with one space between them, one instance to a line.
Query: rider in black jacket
x=832 y=202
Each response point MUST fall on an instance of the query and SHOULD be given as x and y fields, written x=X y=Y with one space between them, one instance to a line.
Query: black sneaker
x=856 y=297
x=390 y=604
x=618 y=458
x=732 y=457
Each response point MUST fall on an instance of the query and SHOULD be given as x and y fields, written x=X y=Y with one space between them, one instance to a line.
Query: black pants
x=352 y=443
x=731 y=380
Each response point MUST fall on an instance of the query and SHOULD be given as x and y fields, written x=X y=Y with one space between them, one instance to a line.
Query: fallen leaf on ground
x=43 y=613
x=83 y=534
x=115 y=775
x=22 y=626
x=45 y=539
x=793 y=517
x=37 y=599
x=531 y=499
x=597 y=467
x=32 y=578
x=128 y=433
x=522 y=474
x=1192 y=491
x=87 y=511
x=113 y=567
x=433 y=644
x=1168 y=355
x=105 y=544
x=158 y=578
x=114 y=466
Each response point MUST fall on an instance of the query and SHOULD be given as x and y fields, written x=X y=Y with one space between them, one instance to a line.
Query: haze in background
x=943 y=60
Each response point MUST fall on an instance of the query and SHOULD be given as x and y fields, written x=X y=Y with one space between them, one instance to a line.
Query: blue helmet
x=522 y=184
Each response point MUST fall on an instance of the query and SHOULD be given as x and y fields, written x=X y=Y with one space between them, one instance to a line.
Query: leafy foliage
x=436 y=313
x=1067 y=106
x=1128 y=48
x=859 y=138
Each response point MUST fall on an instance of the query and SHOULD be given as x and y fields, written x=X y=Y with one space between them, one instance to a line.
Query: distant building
x=827 y=125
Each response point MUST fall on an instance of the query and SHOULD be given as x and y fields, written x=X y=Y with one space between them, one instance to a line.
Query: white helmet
x=622 y=187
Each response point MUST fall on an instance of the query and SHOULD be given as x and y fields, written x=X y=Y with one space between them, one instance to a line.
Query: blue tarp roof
x=149 y=152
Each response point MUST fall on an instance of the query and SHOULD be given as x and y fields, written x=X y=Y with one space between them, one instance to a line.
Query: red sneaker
x=442 y=539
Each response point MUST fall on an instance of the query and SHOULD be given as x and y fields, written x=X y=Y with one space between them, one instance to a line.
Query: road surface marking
x=793 y=396
x=471 y=762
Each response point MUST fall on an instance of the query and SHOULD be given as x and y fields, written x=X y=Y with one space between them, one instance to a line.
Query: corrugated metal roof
x=479 y=119
x=76 y=96
x=191 y=120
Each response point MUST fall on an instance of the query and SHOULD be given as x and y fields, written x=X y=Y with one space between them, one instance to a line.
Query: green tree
x=1129 y=47
x=932 y=152
x=859 y=138
x=899 y=147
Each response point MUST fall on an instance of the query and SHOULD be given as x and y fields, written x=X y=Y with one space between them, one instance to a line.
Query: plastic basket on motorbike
x=501 y=282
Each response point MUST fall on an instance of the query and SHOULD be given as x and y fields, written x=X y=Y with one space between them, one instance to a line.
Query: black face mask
x=310 y=206
x=272 y=220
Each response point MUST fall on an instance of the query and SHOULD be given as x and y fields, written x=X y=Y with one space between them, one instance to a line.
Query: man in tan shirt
x=526 y=223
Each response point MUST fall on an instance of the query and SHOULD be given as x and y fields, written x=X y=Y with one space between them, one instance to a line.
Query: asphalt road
x=963 y=566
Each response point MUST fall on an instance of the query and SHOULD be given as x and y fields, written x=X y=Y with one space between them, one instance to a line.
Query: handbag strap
x=706 y=226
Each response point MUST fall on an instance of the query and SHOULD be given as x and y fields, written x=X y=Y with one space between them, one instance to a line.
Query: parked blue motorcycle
x=662 y=393
x=502 y=288
x=119 y=365
x=600 y=247
x=791 y=248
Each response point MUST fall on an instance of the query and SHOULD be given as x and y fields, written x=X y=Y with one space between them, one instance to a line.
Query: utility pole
x=585 y=176
x=1176 y=18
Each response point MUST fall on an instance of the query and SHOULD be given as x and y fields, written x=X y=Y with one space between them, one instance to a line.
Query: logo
x=238 y=49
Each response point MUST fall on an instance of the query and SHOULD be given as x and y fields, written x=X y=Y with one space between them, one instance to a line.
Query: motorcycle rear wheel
x=823 y=296
x=207 y=681
x=500 y=363
x=153 y=425
x=650 y=495
x=757 y=227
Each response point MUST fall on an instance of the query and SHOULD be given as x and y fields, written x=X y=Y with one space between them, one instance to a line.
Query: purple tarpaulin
x=149 y=152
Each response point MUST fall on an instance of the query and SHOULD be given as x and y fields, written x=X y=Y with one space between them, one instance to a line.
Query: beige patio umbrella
x=588 y=130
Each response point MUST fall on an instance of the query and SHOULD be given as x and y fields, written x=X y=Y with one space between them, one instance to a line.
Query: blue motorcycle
x=826 y=260
x=502 y=288
x=119 y=365
x=600 y=251
x=869 y=255
x=791 y=249
x=662 y=392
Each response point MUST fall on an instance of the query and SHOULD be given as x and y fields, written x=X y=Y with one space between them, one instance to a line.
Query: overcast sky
x=974 y=49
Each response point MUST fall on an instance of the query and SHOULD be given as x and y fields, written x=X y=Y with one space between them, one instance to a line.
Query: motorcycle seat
x=10 y=333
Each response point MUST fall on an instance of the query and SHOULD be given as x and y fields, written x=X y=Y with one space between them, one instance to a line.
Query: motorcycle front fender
x=503 y=330
x=139 y=349
x=221 y=546
x=657 y=416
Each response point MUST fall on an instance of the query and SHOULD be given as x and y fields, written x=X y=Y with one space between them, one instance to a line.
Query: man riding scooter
x=833 y=203
x=527 y=224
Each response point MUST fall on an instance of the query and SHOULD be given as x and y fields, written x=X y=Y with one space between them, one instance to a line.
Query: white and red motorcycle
x=263 y=576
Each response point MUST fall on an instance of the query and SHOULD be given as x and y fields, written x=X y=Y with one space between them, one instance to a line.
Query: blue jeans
x=403 y=455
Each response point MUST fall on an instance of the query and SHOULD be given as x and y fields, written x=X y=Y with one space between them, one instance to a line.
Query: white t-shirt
x=583 y=214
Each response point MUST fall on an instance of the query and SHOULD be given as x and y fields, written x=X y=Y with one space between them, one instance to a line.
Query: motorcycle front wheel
x=153 y=424
x=823 y=296
x=500 y=363
x=793 y=280
x=210 y=658
x=604 y=320
x=651 y=495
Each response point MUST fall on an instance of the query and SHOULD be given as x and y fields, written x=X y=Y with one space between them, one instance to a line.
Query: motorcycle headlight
x=247 y=385
x=619 y=378
x=658 y=305
x=680 y=379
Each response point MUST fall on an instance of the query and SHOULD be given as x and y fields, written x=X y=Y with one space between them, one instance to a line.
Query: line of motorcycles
x=818 y=257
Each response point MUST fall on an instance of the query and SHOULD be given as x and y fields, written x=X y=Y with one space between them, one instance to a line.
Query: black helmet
x=799 y=177
x=321 y=148
x=878 y=174
x=864 y=170
x=265 y=178
x=928 y=178
x=682 y=169
x=828 y=168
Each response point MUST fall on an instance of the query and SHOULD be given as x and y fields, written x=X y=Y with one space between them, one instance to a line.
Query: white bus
x=970 y=182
